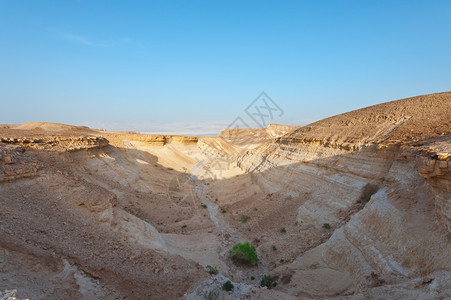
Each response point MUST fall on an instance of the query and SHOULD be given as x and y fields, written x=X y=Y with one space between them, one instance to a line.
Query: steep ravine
x=387 y=206
x=353 y=206
x=369 y=195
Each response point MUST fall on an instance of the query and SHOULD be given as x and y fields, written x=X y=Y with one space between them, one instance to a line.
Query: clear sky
x=196 y=65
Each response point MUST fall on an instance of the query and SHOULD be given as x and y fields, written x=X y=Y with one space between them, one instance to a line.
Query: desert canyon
x=355 y=206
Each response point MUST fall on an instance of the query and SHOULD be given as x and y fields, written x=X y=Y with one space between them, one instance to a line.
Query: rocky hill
x=411 y=119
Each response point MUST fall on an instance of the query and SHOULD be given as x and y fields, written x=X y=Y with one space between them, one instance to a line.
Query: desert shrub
x=244 y=254
x=203 y=205
x=228 y=286
x=212 y=270
x=326 y=225
x=283 y=230
x=268 y=282
x=223 y=211
x=245 y=218
x=211 y=295
x=274 y=248
x=184 y=226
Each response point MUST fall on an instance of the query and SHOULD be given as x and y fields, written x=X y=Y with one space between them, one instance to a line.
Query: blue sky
x=196 y=65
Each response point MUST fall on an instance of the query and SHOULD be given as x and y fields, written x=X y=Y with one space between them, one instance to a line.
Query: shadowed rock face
x=95 y=214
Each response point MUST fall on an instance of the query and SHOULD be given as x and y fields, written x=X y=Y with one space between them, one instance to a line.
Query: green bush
x=203 y=205
x=212 y=270
x=244 y=254
x=274 y=248
x=268 y=282
x=283 y=230
x=326 y=225
x=228 y=286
